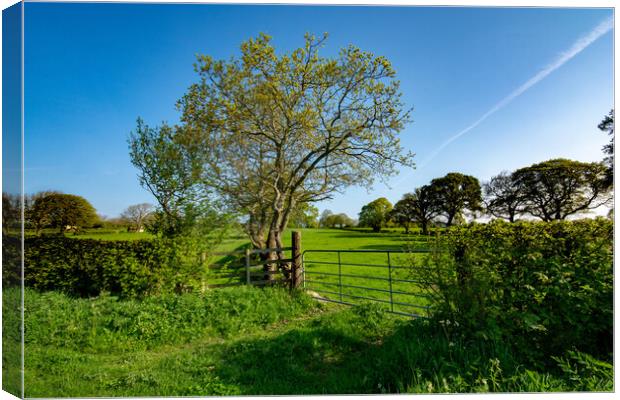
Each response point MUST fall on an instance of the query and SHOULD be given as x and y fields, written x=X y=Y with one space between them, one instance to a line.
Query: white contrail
x=577 y=47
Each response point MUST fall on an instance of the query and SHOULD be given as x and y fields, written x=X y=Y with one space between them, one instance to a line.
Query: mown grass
x=95 y=233
x=248 y=341
x=320 y=265
x=113 y=235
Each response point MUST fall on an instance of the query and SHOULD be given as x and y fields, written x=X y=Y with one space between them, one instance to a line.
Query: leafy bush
x=89 y=267
x=547 y=288
x=11 y=261
x=135 y=268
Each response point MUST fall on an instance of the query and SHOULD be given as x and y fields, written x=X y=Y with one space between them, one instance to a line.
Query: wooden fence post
x=296 y=264
x=247 y=267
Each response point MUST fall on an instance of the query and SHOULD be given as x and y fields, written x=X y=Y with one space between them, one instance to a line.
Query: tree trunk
x=424 y=227
x=450 y=218
x=271 y=256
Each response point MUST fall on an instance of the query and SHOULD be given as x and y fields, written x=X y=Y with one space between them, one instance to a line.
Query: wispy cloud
x=581 y=44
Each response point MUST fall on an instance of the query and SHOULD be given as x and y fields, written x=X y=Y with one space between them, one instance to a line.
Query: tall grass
x=243 y=341
x=105 y=324
x=419 y=358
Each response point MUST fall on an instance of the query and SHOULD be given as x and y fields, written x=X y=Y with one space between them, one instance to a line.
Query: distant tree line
x=67 y=212
x=551 y=190
x=448 y=197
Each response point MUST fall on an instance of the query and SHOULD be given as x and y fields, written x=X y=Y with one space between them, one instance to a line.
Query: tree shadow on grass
x=297 y=362
x=326 y=358
x=323 y=357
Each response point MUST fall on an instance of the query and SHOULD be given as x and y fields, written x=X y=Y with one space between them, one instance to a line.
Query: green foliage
x=558 y=188
x=585 y=373
x=62 y=211
x=544 y=287
x=247 y=341
x=403 y=212
x=11 y=212
x=421 y=206
x=89 y=267
x=331 y=220
x=504 y=197
x=418 y=358
x=375 y=214
x=85 y=267
x=304 y=216
x=170 y=168
x=11 y=260
x=169 y=172
x=108 y=325
x=270 y=131
x=455 y=193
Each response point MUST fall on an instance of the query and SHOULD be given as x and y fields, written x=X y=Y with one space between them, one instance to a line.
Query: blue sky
x=92 y=69
x=11 y=99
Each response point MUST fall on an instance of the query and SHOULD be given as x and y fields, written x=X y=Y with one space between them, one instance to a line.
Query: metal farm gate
x=339 y=276
x=383 y=276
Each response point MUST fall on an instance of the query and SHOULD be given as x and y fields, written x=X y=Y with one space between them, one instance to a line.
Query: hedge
x=545 y=287
x=88 y=267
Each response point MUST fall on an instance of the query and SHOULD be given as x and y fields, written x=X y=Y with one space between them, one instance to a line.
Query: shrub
x=547 y=288
x=89 y=267
x=11 y=261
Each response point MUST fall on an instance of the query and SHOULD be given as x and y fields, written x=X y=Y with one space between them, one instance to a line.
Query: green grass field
x=248 y=341
x=98 y=234
x=367 y=273
x=323 y=267
x=368 y=276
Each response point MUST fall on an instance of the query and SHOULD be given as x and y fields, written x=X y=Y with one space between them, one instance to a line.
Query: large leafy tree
x=424 y=206
x=326 y=219
x=375 y=214
x=403 y=212
x=455 y=193
x=273 y=131
x=33 y=218
x=558 y=188
x=60 y=211
x=607 y=125
x=504 y=197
